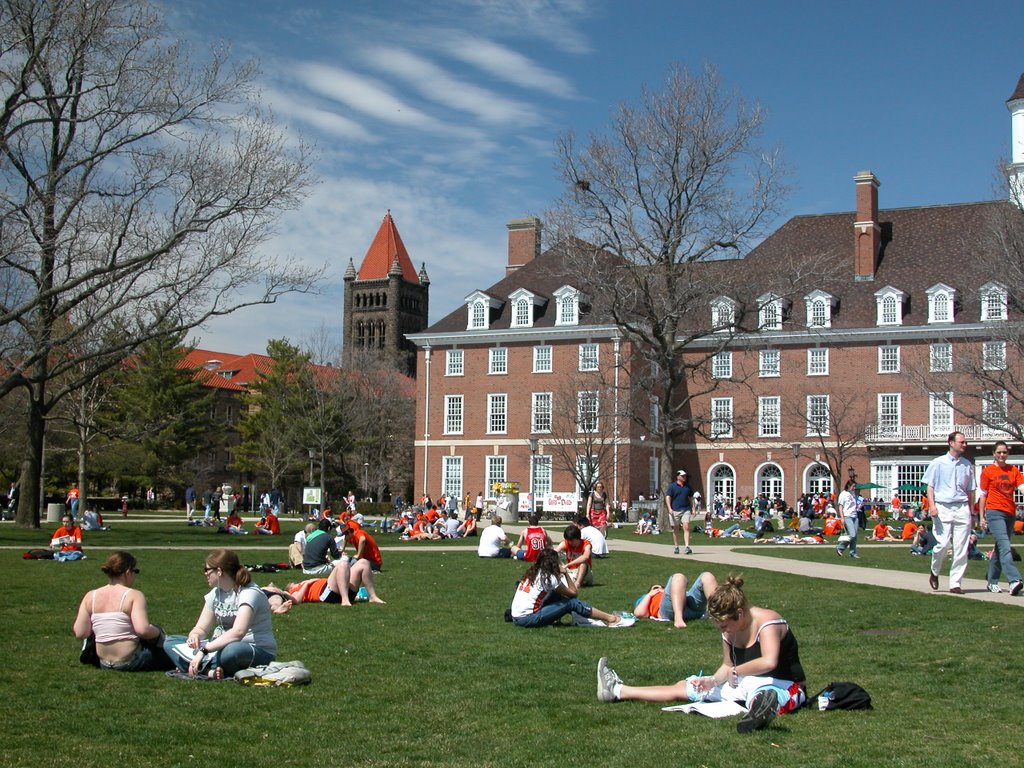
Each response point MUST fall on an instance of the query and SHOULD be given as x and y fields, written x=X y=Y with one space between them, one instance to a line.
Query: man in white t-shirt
x=598 y=542
x=493 y=541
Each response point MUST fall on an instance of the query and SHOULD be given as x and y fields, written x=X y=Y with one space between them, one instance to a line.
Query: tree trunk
x=83 y=447
x=30 y=501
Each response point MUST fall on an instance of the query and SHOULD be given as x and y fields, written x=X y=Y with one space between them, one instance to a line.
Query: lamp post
x=533 y=457
x=366 y=477
x=796 y=487
x=312 y=453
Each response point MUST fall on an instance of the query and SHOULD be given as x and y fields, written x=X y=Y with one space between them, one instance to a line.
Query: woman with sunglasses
x=234 y=630
x=116 y=614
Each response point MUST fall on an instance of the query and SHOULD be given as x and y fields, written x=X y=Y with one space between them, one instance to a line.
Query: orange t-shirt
x=908 y=531
x=832 y=526
x=998 y=485
x=309 y=591
x=74 y=532
x=370 y=550
x=880 y=531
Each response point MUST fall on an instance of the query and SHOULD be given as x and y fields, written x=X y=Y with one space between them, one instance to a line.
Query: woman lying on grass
x=238 y=615
x=760 y=664
x=547 y=592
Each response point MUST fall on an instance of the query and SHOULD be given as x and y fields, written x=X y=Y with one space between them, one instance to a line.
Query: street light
x=366 y=470
x=533 y=455
x=312 y=453
x=796 y=489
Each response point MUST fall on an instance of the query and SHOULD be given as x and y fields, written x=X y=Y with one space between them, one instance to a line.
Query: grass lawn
x=436 y=677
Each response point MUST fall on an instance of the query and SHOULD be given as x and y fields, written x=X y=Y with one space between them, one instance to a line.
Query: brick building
x=860 y=370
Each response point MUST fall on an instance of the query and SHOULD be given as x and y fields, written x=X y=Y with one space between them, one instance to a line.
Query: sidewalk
x=722 y=559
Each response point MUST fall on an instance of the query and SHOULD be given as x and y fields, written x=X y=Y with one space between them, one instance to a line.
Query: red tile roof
x=387 y=245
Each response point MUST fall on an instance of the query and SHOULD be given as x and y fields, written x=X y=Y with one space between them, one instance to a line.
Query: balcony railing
x=927 y=433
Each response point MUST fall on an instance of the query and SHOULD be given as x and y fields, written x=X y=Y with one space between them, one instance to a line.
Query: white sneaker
x=994 y=588
x=606 y=681
x=1016 y=587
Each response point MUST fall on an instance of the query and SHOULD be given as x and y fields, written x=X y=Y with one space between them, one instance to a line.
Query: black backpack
x=842 y=696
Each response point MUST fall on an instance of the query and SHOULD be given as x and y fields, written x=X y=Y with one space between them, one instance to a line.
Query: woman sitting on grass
x=760 y=664
x=547 y=592
x=238 y=615
x=116 y=614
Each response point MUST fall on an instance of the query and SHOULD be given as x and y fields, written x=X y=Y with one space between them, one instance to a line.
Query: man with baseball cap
x=677 y=499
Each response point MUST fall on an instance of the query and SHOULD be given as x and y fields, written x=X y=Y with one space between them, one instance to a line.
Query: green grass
x=437 y=678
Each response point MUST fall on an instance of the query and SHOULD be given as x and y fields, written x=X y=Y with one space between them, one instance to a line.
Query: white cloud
x=508 y=65
x=289 y=107
x=436 y=84
x=367 y=95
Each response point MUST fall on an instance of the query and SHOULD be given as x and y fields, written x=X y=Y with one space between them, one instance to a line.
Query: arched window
x=769 y=481
x=723 y=481
x=819 y=480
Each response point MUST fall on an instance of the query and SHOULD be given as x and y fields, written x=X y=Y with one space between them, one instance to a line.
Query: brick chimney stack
x=867 y=231
x=523 y=242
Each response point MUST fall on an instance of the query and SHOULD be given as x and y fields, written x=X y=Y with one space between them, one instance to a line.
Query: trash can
x=54 y=512
x=508 y=507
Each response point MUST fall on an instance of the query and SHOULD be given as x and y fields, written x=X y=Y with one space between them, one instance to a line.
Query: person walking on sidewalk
x=680 y=508
x=996 y=509
x=950 y=481
x=847 y=502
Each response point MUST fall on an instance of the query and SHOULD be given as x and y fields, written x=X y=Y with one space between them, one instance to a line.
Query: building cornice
x=489 y=336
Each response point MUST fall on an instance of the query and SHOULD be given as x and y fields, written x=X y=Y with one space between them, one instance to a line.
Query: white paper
x=714 y=709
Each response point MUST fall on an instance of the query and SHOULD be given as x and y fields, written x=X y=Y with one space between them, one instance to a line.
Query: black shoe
x=933 y=580
x=763 y=708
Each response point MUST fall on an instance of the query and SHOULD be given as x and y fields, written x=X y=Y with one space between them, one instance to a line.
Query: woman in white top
x=116 y=614
x=234 y=630
x=847 y=502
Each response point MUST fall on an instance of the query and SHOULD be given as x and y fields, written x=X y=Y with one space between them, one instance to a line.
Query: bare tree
x=652 y=208
x=134 y=181
x=837 y=427
x=582 y=428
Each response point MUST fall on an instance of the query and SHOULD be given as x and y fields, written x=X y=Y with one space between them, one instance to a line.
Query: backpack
x=277 y=673
x=842 y=696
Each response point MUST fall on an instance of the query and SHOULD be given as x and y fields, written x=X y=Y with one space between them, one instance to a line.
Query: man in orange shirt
x=997 y=509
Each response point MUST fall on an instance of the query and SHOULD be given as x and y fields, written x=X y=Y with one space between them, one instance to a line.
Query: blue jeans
x=554 y=608
x=230 y=658
x=695 y=605
x=145 y=659
x=851 y=530
x=1000 y=525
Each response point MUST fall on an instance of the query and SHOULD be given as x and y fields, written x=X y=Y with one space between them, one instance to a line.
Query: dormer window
x=479 y=306
x=889 y=306
x=993 y=302
x=769 y=312
x=723 y=314
x=819 y=307
x=567 y=303
x=940 y=303
x=523 y=303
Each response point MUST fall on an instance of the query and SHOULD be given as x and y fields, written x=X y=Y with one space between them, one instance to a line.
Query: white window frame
x=495 y=471
x=993 y=302
x=940 y=303
x=522 y=317
x=888 y=358
x=940 y=413
x=993 y=355
x=723 y=314
x=817 y=361
x=819 y=303
x=567 y=306
x=769 y=416
x=540 y=475
x=588 y=411
x=655 y=416
x=721 y=365
x=497 y=413
x=721 y=417
x=769 y=313
x=940 y=357
x=583 y=464
x=541 y=410
x=477 y=314
x=764 y=369
x=819 y=416
x=454 y=362
x=994 y=404
x=889 y=306
x=890 y=414
x=497 y=361
x=454 y=414
x=540 y=352
x=451 y=475
x=589 y=357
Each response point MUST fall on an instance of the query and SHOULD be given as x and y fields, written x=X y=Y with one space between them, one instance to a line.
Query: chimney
x=867 y=231
x=523 y=242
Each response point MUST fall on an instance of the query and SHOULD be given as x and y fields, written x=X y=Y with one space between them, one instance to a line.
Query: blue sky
x=446 y=112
